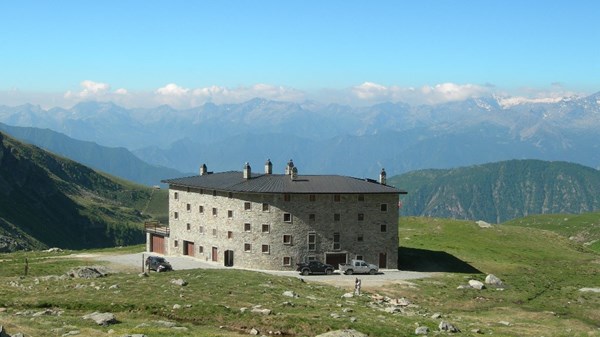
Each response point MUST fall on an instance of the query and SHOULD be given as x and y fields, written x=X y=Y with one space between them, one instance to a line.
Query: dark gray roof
x=233 y=181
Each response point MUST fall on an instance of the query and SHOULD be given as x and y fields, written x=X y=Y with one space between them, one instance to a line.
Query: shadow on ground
x=422 y=260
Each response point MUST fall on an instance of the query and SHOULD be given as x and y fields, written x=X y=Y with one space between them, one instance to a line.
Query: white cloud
x=172 y=89
x=439 y=93
x=121 y=91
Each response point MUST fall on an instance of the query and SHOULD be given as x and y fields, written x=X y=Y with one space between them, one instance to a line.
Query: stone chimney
x=383 y=177
x=268 y=167
x=294 y=174
x=247 y=171
x=203 y=170
x=289 y=167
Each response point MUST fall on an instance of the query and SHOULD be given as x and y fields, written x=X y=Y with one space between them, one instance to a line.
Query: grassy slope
x=582 y=228
x=542 y=270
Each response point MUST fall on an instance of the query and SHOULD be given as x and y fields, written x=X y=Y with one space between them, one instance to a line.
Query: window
x=311 y=258
x=287 y=261
x=201 y=209
x=359 y=238
x=266 y=228
x=229 y=195
x=337 y=198
x=384 y=228
x=312 y=241
x=214 y=211
x=175 y=195
x=188 y=207
x=176 y=215
x=287 y=239
x=214 y=231
x=188 y=226
x=247 y=206
x=247 y=227
x=287 y=217
x=265 y=207
x=229 y=234
x=201 y=229
x=383 y=207
x=214 y=193
x=361 y=216
x=176 y=243
x=265 y=249
x=312 y=197
x=287 y=197
x=336 y=217
x=201 y=249
x=230 y=214
x=312 y=217
x=247 y=247
x=361 y=197
x=359 y=257
x=336 y=241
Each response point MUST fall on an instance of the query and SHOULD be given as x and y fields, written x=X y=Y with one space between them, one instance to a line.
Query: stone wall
x=356 y=237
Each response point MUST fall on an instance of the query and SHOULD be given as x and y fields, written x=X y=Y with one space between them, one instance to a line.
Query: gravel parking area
x=386 y=276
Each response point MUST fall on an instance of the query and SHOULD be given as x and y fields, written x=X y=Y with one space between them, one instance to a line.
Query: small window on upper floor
x=287 y=239
x=287 y=197
x=229 y=195
x=287 y=217
x=214 y=211
x=247 y=206
x=201 y=209
x=175 y=195
x=266 y=249
x=384 y=207
x=230 y=214
x=337 y=216
x=312 y=217
x=337 y=198
x=266 y=228
x=312 y=197
x=176 y=215
x=188 y=226
x=247 y=247
x=265 y=207
x=188 y=207
x=214 y=193
x=359 y=238
x=384 y=228
x=247 y=227
x=361 y=216
x=229 y=234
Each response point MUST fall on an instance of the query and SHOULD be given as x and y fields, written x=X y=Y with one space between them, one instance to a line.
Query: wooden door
x=382 y=260
x=157 y=244
x=188 y=248
x=214 y=254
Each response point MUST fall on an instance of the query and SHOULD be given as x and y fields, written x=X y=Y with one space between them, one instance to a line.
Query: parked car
x=358 y=267
x=158 y=264
x=315 y=267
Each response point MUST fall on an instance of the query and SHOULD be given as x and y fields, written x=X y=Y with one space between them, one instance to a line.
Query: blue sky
x=189 y=52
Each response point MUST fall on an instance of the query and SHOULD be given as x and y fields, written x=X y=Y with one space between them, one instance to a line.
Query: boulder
x=448 y=327
x=88 y=272
x=476 y=284
x=290 y=293
x=179 y=282
x=343 y=333
x=422 y=330
x=492 y=279
x=483 y=224
x=101 y=318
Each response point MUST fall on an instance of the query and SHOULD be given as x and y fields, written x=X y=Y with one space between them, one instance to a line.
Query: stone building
x=273 y=221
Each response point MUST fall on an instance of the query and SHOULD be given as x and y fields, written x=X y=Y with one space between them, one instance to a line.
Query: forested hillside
x=46 y=200
x=501 y=191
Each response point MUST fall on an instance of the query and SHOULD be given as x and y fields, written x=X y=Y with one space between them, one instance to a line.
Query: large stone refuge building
x=273 y=221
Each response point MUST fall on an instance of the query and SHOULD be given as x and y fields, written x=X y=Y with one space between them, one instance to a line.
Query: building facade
x=273 y=221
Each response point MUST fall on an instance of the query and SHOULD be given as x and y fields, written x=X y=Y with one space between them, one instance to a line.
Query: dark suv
x=158 y=264
x=315 y=267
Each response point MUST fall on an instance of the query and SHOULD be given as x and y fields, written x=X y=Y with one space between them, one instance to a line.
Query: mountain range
x=331 y=138
x=501 y=191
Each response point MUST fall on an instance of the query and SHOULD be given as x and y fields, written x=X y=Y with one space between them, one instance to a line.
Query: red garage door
x=157 y=244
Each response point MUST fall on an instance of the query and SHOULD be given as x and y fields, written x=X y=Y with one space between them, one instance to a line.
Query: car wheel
x=305 y=272
x=372 y=272
x=328 y=271
x=349 y=272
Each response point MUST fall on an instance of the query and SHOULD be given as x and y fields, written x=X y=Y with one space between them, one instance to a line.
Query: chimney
x=289 y=167
x=247 y=171
x=203 y=169
x=268 y=167
x=294 y=174
x=382 y=177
